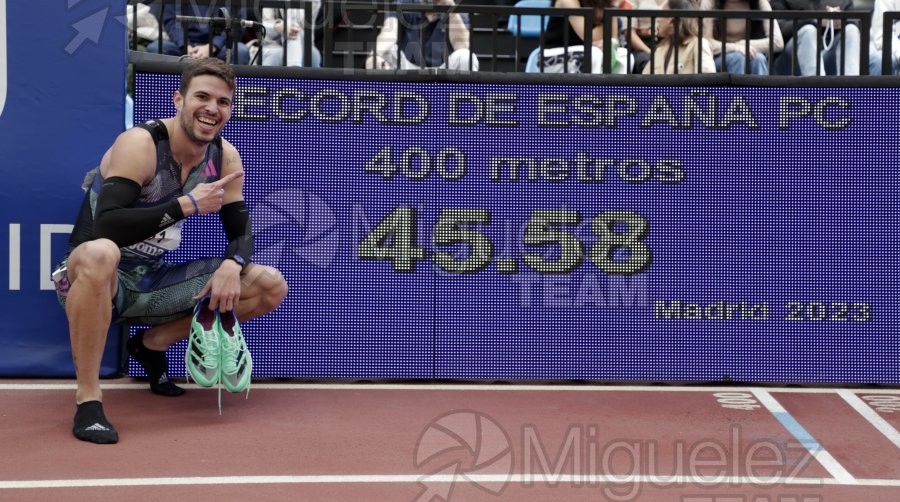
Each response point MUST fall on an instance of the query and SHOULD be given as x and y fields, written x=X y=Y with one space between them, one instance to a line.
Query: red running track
x=456 y=443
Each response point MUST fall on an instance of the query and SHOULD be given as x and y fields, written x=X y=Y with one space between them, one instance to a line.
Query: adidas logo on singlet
x=166 y=221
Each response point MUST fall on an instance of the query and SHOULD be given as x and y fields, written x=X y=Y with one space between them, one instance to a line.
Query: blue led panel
x=500 y=231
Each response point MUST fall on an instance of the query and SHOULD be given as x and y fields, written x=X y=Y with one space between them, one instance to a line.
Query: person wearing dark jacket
x=840 y=41
x=193 y=39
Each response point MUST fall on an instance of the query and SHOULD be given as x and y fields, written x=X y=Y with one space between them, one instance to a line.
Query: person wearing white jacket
x=285 y=28
x=876 y=42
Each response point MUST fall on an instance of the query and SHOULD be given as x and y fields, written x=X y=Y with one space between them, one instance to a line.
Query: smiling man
x=153 y=177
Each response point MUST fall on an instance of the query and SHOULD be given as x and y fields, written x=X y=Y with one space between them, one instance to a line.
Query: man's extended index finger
x=228 y=179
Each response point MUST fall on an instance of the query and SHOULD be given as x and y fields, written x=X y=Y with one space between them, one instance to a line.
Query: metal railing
x=887 y=44
x=243 y=10
x=796 y=19
x=494 y=13
x=358 y=23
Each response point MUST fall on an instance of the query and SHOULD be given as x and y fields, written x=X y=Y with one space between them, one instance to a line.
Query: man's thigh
x=159 y=293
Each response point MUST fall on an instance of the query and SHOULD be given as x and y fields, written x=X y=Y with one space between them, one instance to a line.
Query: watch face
x=240 y=259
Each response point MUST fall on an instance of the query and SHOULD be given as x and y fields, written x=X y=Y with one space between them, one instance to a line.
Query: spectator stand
x=500 y=35
x=771 y=17
x=231 y=8
x=495 y=45
x=888 y=44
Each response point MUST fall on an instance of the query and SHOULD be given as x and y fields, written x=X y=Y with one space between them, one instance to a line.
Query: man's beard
x=187 y=127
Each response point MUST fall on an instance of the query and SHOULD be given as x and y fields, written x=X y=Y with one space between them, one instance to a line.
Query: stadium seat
x=531 y=24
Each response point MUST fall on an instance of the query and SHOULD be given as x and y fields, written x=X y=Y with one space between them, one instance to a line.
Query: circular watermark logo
x=463 y=446
x=293 y=224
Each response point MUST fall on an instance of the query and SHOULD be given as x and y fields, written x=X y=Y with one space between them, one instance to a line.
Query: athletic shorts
x=150 y=292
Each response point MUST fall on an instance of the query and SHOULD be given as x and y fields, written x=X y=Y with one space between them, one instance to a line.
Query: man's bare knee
x=278 y=292
x=96 y=258
x=267 y=284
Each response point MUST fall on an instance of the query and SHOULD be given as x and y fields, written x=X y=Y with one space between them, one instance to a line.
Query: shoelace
x=210 y=352
x=206 y=342
x=207 y=347
x=232 y=345
x=230 y=366
x=233 y=365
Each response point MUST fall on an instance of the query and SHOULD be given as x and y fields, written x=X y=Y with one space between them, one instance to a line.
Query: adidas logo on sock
x=163 y=378
x=97 y=427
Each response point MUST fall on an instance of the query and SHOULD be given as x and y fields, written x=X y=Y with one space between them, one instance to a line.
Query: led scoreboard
x=471 y=230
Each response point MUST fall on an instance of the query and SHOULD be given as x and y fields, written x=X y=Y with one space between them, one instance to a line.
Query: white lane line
x=456 y=387
x=872 y=416
x=441 y=478
x=805 y=438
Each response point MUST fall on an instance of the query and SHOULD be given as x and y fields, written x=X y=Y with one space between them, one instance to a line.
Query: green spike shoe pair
x=217 y=353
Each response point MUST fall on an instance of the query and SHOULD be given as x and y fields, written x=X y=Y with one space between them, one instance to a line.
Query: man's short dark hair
x=206 y=66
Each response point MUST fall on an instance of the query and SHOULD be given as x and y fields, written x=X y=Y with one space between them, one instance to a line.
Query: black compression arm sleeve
x=116 y=220
x=236 y=221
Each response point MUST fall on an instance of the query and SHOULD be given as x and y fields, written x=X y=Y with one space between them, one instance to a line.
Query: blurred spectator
x=192 y=38
x=876 y=47
x=564 y=40
x=834 y=60
x=680 y=46
x=735 y=32
x=285 y=28
x=142 y=25
x=402 y=33
x=641 y=38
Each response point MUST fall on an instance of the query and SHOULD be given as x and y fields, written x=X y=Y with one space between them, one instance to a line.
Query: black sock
x=91 y=424
x=154 y=363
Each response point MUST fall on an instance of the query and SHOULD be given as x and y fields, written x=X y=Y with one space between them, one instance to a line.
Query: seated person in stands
x=735 y=32
x=398 y=42
x=832 y=33
x=193 y=39
x=681 y=50
x=641 y=39
x=285 y=28
x=564 y=40
x=876 y=37
x=142 y=26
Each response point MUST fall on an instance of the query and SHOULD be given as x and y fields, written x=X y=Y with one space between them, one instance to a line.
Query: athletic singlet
x=165 y=186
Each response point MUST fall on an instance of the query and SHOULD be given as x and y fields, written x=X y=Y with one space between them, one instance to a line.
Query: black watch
x=240 y=261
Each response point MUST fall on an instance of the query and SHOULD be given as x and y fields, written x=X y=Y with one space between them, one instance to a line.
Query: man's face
x=205 y=108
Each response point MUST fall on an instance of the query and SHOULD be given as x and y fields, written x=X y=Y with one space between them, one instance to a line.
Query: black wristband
x=240 y=260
